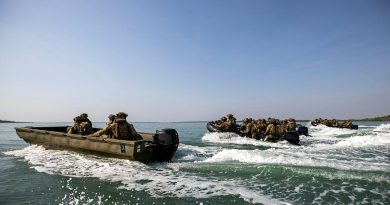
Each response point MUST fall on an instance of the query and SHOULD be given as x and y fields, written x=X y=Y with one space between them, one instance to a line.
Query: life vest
x=122 y=130
x=272 y=129
x=281 y=129
x=291 y=126
x=85 y=128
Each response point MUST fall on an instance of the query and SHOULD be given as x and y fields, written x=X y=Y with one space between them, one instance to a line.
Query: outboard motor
x=167 y=141
x=292 y=137
x=302 y=130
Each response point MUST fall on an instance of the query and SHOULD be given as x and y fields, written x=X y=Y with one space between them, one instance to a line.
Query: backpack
x=122 y=131
x=85 y=128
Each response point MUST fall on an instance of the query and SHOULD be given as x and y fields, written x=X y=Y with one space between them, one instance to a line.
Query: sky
x=194 y=60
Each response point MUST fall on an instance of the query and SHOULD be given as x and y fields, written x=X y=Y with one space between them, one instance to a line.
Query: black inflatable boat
x=290 y=136
x=354 y=127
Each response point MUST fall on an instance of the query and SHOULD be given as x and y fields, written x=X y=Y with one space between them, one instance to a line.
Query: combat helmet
x=78 y=119
x=121 y=115
x=111 y=117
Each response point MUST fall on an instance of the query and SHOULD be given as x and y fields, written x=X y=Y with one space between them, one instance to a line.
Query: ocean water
x=334 y=166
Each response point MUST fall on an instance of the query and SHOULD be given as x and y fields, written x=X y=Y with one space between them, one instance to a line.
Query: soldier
x=246 y=127
x=291 y=125
x=271 y=133
x=328 y=123
x=222 y=120
x=347 y=124
x=121 y=129
x=262 y=126
x=84 y=118
x=109 y=133
x=85 y=128
x=335 y=123
x=229 y=124
x=111 y=119
x=75 y=129
x=258 y=128
x=281 y=129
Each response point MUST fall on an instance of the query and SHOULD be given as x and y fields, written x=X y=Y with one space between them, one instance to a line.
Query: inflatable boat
x=290 y=136
x=354 y=127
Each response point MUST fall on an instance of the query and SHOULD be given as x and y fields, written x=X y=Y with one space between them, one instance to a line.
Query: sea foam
x=159 y=180
x=295 y=158
x=231 y=138
x=383 y=128
x=324 y=131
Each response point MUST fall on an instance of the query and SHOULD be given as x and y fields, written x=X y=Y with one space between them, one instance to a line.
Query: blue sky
x=194 y=60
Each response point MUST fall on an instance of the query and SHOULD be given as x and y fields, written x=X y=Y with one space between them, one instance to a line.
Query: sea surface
x=334 y=166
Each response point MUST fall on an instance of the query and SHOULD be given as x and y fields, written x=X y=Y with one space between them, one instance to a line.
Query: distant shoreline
x=383 y=118
x=7 y=121
x=377 y=119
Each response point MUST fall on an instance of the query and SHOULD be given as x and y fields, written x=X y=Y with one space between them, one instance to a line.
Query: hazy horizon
x=175 y=61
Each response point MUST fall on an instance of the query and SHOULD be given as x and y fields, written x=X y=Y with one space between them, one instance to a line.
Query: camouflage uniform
x=75 y=128
x=258 y=129
x=229 y=124
x=291 y=125
x=262 y=126
x=271 y=132
x=107 y=131
x=335 y=123
x=347 y=124
x=222 y=120
x=85 y=128
x=246 y=127
x=80 y=127
x=120 y=129
x=84 y=118
x=281 y=129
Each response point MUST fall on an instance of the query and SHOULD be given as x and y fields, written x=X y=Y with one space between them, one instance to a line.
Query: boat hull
x=56 y=138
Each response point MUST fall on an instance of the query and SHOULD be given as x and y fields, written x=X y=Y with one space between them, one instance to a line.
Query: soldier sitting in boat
x=271 y=133
x=291 y=125
x=219 y=122
x=84 y=118
x=229 y=124
x=256 y=130
x=75 y=128
x=109 y=133
x=260 y=128
x=246 y=127
x=120 y=129
x=346 y=124
x=282 y=127
x=80 y=127
x=335 y=123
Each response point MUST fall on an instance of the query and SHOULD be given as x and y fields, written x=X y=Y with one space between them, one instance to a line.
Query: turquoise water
x=335 y=166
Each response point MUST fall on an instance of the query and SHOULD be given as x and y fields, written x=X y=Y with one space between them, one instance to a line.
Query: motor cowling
x=166 y=143
x=355 y=127
x=292 y=137
x=302 y=130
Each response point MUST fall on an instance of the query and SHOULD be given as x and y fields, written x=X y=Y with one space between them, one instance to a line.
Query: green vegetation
x=383 y=118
